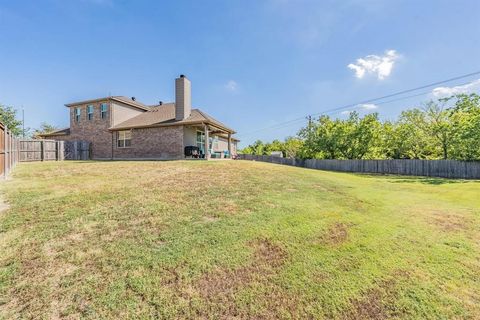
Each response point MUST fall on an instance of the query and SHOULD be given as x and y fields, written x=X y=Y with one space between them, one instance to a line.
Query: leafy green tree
x=8 y=116
x=465 y=118
x=275 y=145
x=439 y=125
x=320 y=138
x=411 y=137
x=293 y=147
x=358 y=136
x=257 y=148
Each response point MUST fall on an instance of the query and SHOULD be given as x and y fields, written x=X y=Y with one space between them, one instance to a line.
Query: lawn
x=197 y=239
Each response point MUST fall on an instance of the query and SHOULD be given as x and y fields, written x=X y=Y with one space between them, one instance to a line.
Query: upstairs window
x=103 y=110
x=124 y=139
x=78 y=112
x=90 y=112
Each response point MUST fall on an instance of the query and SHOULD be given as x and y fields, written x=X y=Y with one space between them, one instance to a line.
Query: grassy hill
x=196 y=239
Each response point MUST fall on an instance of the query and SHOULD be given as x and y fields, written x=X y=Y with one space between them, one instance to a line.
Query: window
x=124 y=139
x=78 y=112
x=103 y=110
x=90 y=112
x=201 y=141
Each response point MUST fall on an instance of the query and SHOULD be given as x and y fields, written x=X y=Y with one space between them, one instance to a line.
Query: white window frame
x=124 y=139
x=103 y=110
x=90 y=109
x=78 y=113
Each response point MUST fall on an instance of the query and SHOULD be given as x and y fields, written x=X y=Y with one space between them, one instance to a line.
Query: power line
x=369 y=101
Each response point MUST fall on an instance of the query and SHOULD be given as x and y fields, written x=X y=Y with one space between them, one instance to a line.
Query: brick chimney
x=183 y=98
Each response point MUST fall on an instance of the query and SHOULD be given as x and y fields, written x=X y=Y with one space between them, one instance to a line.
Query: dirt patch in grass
x=378 y=302
x=335 y=234
x=221 y=283
x=444 y=220
x=449 y=222
x=220 y=287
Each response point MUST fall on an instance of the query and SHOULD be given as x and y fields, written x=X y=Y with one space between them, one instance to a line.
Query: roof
x=121 y=99
x=60 y=132
x=164 y=115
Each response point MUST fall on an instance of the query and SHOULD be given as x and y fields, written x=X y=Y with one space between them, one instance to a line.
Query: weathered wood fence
x=51 y=150
x=41 y=150
x=429 y=168
x=8 y=151
x=77 y=150
x=13 y=150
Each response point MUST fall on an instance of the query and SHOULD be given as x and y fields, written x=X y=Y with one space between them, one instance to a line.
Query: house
x=123 y=128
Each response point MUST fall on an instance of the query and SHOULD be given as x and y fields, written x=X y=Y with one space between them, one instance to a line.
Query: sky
x=254 y=64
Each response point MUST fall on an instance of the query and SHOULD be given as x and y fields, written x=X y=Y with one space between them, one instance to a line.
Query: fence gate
x=77 y=150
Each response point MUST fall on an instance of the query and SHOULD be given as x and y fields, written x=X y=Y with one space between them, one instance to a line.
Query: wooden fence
x=41 y=150
x=51 y=150
x=429 y=168
x=13 y=150
x=9 y=147
x=77 y=150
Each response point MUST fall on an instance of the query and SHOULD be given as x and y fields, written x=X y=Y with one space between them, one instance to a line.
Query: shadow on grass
x=414 y=179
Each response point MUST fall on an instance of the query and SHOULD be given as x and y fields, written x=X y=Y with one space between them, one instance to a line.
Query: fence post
x=42 y=148
x=5 y=152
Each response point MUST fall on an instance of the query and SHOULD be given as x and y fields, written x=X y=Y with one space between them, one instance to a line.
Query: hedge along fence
x=429 y=168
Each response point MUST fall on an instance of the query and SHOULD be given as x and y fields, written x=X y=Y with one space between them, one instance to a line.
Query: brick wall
x=95 y=130
x=153 y=143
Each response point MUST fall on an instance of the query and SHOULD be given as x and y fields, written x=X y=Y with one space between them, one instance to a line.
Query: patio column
x=230 y=145
x=206 y=146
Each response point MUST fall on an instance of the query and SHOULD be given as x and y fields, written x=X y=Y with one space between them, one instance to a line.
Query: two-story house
x=122 y=128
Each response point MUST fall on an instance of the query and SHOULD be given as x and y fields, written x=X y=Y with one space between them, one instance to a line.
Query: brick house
x=122 y=128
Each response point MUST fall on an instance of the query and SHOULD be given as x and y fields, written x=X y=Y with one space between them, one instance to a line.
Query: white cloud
x=346 y=112
x=368 y=106
x=442 y=92
x=381 y=66
x=231 y=86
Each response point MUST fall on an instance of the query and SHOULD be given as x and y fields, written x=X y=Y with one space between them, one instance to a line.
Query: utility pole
x=23 y=122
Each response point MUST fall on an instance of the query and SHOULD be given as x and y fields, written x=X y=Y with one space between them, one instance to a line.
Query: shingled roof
x=121 y=99
x=164 y=115
x=59 y=132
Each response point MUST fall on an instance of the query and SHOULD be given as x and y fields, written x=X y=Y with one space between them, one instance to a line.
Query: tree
x=358 y=136
x=411 y=136
x=439 y=125
x=292 y=147
x=465 y=118
x=320 y=138
x=44 y=128
x=8 y=116
x=258 y=148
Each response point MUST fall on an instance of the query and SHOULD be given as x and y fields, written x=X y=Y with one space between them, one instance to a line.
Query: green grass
x=196 y=239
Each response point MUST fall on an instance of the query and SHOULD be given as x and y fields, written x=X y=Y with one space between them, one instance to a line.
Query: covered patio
x=213 y=141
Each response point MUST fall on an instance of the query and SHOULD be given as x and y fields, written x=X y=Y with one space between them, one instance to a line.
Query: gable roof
x=60 y=132
x=121 y=99
x=164 y=115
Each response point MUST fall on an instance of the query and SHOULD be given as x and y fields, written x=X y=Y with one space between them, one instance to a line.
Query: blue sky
x=252 y=63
